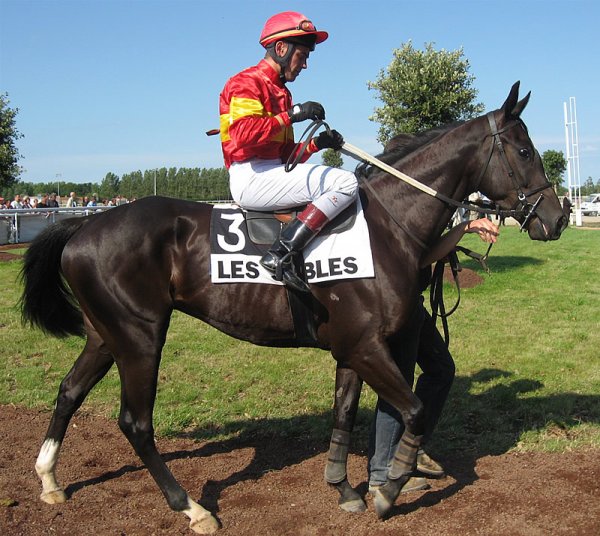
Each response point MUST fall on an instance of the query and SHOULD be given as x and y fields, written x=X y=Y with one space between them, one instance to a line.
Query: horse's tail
x=47 y=302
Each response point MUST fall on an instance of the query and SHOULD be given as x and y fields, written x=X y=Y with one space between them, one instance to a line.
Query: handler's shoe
x=415 y=483
x=428 y=466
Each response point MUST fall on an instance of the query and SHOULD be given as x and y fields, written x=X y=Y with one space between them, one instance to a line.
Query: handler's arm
x=487 y=231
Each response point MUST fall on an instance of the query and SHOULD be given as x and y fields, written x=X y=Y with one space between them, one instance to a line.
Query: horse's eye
x=524 y=153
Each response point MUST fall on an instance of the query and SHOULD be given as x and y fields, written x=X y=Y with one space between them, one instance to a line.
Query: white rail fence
x=23 y=225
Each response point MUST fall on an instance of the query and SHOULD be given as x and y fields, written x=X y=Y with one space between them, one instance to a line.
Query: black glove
x=329 y=140
x=308 y=110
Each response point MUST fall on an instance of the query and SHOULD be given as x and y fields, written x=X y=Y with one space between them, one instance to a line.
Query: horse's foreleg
x=347 y=395
x=386 y=379
x=91 y=366
x=401 y=469
x=138 y=384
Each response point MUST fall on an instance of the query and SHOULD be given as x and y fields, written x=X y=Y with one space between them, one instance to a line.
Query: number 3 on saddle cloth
x=239 y=239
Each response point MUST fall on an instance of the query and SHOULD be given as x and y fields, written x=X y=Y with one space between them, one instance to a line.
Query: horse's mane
x=403 y=144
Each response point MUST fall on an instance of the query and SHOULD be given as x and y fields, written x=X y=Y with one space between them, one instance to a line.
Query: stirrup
x=285 y=272
x=279 y=268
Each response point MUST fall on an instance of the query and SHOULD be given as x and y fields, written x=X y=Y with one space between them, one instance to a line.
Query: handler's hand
x=487 y=230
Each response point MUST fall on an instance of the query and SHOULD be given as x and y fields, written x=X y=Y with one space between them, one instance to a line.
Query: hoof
x=56 y=496
x=349 y=500
x=382 y=503
x=354 y=506
x=206 y=525
x=385 y=496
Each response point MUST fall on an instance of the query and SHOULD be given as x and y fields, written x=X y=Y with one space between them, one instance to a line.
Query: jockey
x=256 y=116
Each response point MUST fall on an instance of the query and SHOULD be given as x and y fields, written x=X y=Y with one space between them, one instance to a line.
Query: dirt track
x=271 y=486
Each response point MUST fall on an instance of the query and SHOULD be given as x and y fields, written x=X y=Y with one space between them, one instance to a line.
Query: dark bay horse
x=117 y=277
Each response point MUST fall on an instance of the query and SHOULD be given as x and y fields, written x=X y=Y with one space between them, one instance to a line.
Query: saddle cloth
x=235 y=258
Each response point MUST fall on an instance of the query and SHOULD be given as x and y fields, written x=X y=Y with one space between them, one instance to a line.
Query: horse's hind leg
x=91 y=366
x=139 y=372
x=347 y=395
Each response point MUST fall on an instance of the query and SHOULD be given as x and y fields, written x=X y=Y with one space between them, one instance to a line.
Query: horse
x=116 y=278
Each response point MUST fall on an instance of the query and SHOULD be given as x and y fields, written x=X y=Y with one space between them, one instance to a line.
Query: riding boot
x=279 y=259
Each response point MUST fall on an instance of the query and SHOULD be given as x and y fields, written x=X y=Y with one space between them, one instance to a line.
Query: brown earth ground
x=6 y=255
x=272 y=486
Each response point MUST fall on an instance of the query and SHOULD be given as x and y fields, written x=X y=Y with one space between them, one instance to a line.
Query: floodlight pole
x=572 y=145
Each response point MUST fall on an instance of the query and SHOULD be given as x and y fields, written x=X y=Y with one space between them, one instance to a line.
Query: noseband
x=522 y=206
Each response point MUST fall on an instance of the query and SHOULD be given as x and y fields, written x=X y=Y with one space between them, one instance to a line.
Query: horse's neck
x=449 y=165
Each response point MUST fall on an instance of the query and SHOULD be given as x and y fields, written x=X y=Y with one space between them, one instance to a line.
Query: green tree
x=588 y=187
x=423 y=89
x=332 y=158
x=109 y=187
x=555 y=165
x=9 y=153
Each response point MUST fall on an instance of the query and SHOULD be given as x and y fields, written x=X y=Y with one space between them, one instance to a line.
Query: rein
x=294 y=160
x=436 y=291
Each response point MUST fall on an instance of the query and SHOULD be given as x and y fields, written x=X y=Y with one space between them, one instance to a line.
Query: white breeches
x=264 y=185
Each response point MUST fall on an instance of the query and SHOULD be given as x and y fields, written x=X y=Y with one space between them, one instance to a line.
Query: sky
x=124 y=85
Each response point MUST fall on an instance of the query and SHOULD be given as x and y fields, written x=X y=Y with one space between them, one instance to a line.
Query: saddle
x=264 y=227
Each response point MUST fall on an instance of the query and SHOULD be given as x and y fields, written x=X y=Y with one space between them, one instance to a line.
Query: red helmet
x=290 y=24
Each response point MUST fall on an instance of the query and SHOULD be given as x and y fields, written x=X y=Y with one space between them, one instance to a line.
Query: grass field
x=526 y=344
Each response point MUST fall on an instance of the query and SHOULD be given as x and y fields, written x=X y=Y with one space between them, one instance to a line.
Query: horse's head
x=514 y=177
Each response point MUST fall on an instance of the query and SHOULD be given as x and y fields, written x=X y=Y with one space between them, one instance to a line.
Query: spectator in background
x=35 y=203
x=72 y=201
x=16 y=203
x=26 y=203
x=43 y=202
x=92 y=202
x=2 y=203
x=52 y=201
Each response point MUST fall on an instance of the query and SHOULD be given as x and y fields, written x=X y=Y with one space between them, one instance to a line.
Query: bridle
x=522 y=206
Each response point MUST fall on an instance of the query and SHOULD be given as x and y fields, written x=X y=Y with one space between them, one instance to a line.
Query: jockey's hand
x=486 y=229
x=329 y=140
x=308 y=110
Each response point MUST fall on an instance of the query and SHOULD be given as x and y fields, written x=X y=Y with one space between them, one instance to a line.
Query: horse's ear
x=516 y=112
x=511 y=100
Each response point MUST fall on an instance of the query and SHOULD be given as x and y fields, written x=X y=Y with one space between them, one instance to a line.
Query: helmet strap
x=282 y=61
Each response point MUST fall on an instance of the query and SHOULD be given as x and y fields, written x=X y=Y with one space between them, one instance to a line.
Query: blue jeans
x=420 y=343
